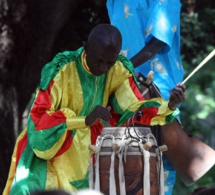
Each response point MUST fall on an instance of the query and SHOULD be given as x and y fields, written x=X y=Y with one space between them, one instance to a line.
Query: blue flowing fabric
x=139 y=21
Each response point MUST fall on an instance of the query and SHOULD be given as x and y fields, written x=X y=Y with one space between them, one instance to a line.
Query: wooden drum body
x=190 y=157
x=127 y=163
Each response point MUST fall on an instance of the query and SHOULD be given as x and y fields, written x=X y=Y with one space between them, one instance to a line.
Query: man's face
x=100 y=59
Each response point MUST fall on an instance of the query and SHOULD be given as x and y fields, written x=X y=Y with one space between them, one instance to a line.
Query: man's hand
x=177 y=95
x=99 y=112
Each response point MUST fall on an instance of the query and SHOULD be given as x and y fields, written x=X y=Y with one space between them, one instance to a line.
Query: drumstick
x=200 y=65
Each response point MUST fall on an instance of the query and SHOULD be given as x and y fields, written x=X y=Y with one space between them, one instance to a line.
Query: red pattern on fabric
x=115 y=116
x=135 y=89
x=146 y=119
x=38 y=113
x=66 y=145
x=95 y=130
x=20 y=147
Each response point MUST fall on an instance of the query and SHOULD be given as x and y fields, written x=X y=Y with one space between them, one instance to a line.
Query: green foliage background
x=198 y=111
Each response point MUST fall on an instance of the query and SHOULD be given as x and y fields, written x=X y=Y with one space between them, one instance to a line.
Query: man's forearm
x=152 y=48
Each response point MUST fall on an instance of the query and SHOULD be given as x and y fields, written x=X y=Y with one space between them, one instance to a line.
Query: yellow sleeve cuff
x=76 y=122
x=164 y=108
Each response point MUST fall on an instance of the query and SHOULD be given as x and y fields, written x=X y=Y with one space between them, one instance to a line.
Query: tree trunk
x=31 y=33
x=28 y=32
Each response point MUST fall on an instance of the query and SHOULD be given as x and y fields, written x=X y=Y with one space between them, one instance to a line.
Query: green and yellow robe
x=52 y=152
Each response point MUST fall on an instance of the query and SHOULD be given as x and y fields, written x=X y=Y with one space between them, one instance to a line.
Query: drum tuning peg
x=150 y=77
x=163 y=148
x=147 y=145
x=93 y=148
x=116 y=148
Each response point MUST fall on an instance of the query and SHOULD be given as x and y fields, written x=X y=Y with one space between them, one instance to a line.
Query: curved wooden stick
x=200 y=65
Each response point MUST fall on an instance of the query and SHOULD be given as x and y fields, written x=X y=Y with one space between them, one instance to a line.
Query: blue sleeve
x=164 y=21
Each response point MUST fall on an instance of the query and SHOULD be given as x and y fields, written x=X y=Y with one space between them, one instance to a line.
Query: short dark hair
x=105 y=34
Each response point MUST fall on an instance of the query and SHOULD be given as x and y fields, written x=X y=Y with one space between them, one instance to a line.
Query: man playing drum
x=70 y=108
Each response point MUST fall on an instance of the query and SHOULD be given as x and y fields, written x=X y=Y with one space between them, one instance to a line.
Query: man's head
x=102 y=48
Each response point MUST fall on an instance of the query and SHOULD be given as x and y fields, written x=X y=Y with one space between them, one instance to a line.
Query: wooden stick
x=200 y=65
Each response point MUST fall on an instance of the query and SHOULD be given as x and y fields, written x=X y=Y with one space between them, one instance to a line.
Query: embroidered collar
x=84 y=62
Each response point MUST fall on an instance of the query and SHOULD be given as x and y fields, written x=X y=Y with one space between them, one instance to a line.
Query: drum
x=127 y=162
x=190 y=157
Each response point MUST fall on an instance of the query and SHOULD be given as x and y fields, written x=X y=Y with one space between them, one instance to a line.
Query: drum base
x=133 y=170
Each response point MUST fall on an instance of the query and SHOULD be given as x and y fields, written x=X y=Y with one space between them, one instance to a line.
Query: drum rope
x=146 y=169
x=121 y=168
x=91 y=172
x=112 y=176
x=160 y=171
x=97 y=175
